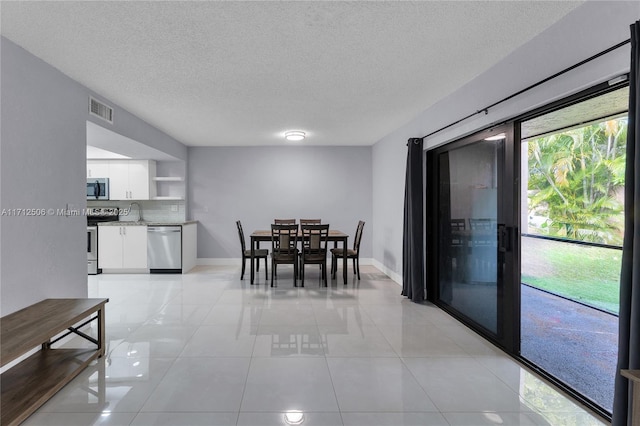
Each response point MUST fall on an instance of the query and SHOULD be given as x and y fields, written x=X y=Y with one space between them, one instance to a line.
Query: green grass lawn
x=590 y=275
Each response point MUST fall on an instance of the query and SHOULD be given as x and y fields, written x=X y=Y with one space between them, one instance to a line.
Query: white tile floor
x=208 y=349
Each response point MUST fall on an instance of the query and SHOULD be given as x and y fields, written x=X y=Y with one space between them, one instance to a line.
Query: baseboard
x=219 y=261
x=237 y=261
x=388 y=272
x=230 y=261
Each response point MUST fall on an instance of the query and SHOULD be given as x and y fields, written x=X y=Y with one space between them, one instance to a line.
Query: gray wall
x=43 y=165
x=127 y=124
x=257 y=184
x=589 y=29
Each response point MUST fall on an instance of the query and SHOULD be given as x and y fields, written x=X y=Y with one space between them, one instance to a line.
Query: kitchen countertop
x=145 y=223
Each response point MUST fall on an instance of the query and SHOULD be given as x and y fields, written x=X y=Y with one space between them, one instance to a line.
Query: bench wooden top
x=28 y=328
x=633 y=375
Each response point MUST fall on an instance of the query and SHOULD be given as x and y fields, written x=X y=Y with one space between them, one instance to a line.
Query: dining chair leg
x=333 y=260
x=324 y=272
x=273 y=270
x=302 y=273
x=354 y=265
x=244 y=264
x=358 y=265
x=265 y=269
x=295 y=273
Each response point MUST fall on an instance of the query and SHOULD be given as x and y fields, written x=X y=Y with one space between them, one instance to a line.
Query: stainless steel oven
x=92 y=249
x=96 y=215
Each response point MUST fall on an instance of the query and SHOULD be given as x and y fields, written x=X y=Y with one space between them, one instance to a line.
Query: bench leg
x=101 y=336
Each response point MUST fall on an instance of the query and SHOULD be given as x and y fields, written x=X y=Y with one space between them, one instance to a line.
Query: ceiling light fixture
x=294 y=417
x=294 y=135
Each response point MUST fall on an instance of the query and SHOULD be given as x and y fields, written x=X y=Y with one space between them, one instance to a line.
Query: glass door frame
x=581 y=96
x=509 y=304
x=508 y=290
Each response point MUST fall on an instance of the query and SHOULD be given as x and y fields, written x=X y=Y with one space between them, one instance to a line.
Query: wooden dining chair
x=246 y=254
x=309 y=222
x=337 y=253
x=284 y=221
x=314 y=248
x=284 y=249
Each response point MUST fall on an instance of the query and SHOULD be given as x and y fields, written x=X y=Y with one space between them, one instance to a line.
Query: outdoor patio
x=574 y=342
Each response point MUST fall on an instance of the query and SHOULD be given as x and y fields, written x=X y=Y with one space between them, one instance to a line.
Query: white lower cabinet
x=122 y=247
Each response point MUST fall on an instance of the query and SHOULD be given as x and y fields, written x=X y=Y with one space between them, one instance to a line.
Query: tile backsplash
x=152 y=210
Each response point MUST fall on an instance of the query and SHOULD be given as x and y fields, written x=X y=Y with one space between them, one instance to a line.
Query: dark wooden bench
x=634 y=377
x=30 y=383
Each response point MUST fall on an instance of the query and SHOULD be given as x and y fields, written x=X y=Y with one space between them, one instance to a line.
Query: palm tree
x=574 y=180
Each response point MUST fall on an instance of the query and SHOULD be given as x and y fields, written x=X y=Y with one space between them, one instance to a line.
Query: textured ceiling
x=612 y=104
x=242 y=73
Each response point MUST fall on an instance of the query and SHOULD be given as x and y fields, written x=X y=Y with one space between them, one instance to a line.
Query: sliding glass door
x=472 y=217
x=573 y=167
x=524 y=234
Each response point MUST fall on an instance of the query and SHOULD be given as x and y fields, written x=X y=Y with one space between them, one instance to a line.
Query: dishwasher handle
x=164 y=229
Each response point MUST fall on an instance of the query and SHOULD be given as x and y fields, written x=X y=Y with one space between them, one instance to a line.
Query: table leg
x=253 y=256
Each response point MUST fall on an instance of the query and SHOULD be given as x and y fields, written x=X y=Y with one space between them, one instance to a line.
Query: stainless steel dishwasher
x=164 y=249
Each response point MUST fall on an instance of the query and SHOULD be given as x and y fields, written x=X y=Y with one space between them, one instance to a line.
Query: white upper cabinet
x=141 y=184
x=128 y=179
x=119 y=181
x=97 y=169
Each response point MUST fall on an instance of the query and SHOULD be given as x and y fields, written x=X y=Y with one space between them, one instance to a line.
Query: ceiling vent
x=100 y=110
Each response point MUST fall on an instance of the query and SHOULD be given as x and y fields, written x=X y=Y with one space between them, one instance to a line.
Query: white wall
x=43 y=116
x=257 y=184
x=589 y=29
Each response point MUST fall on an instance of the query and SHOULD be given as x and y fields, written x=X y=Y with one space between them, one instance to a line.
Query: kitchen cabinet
x=97 y=169
x=122 y=247
x=189 y=246
x=132 y=179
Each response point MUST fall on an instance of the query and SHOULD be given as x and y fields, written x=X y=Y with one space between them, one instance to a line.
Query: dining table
x=334 y=235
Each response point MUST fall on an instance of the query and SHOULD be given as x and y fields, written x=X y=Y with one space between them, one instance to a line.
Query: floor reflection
x=209 y=349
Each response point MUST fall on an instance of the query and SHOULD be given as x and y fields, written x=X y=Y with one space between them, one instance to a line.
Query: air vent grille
x=101 y=110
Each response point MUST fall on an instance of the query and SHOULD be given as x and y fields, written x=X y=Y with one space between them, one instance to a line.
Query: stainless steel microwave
x=97 y=188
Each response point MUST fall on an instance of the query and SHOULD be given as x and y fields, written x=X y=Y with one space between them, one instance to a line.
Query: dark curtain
x=629 y=320
x=413 y=229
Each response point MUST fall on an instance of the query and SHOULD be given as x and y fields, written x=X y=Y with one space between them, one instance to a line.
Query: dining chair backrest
x=482 y=224
x=241 y=235
x=484 y=232
x=358 y=237
x=284 y=221
x=458 y=224
x=310 y=222
x=315 y=238
x=284 y=240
